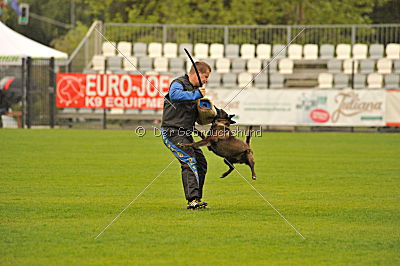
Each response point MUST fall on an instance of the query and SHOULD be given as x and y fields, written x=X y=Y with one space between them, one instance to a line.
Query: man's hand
x=202 y=91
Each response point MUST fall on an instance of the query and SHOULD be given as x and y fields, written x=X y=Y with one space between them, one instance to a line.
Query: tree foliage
x=223 y=12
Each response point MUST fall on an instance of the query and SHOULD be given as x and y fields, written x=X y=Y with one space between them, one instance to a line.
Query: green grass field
x=60 y=188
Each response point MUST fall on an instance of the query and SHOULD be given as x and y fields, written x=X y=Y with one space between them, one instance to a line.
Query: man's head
x=204 y=71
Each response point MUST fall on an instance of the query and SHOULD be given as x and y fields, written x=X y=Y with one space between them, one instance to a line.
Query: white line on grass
x=130 y=203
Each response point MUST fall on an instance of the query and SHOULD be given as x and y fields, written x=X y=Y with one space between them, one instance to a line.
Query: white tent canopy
x=15 y=45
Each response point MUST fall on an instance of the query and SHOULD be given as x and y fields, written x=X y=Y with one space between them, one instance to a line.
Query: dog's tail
x=248 y=137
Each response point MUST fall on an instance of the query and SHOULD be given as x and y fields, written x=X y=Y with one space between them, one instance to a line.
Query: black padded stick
x=195 y=68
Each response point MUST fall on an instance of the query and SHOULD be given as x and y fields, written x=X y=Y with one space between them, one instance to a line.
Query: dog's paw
x=254 y=177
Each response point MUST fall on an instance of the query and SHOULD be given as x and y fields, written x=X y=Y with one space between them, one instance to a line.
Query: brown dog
x=222 y=142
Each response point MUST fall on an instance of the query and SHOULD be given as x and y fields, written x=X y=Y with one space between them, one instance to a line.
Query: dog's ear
x=230 y=119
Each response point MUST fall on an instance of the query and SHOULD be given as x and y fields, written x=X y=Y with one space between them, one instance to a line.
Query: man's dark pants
x=193 y=162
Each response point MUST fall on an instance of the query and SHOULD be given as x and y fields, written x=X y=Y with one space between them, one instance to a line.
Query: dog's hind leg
x=250 y=162
x=228 y=163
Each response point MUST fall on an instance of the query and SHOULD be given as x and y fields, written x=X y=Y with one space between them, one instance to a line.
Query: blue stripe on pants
x=181 y=155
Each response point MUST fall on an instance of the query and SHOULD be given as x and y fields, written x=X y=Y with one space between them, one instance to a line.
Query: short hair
x=202 y=67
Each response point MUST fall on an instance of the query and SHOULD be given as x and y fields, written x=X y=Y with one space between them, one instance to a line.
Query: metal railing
x=272 y=34
x=87 y=48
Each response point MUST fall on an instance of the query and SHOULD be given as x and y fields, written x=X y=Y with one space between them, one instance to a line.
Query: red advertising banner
x=78 y=90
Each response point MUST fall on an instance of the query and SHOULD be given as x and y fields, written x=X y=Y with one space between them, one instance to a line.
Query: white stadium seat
x=223 y=65
x=393 y=51
x=384 y=66
x=108 y=48
x=310 y=51
x=201 y=50
x=374 y=81
x=129 y=63
x=247 y=51
x=360 y=51
x=343 y=51
x=216 y=50
x=170 y=50
x=348 y=64
x=98 y=62
x=325 y=80
x=263 y=51
x=124 y=48
x=161 y=64
x=295 y=51
x=285 y=66
x=155 y=49
x=244 y=78
x=254 y=65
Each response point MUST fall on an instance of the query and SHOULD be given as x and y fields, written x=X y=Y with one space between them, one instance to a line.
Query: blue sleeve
x=176 y=93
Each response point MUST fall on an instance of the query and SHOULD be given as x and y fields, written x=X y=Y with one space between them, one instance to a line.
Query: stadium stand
x=299 y=66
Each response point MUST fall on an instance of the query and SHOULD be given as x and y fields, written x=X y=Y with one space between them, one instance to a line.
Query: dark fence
x=34 y=82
